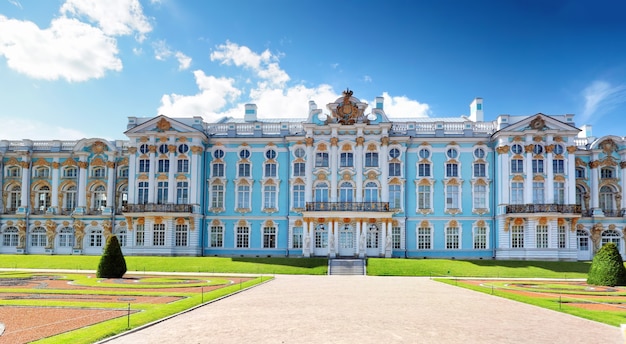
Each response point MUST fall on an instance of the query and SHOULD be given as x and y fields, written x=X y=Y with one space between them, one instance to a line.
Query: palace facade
x=353 y=183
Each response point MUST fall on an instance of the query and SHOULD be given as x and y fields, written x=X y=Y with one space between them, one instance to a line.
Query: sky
x=72 y=69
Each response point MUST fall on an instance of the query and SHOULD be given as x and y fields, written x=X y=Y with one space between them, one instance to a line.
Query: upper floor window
x=537 y=165
x=218 y=169
x=144 y=149
x=183 y=165
x=98 y=172
x=123 y=172
x=580 y=172
x=270 y=170
x=144 y=165
x=270 y=154
x=42 y=172
x=537 y=149
x=371 y=159
x=244 y=154
x=423 y=170
x=558 y=149
x=558 y=166
x=479 y=153
x=480 y=170
x=606 y=172
x=183 y=148
x=164 y=165
x=244 y=170
x=299 y=169
x=163 y=149
x=299 y=153
x=321 y=159
x=452 y=170
x=346 y=192
x=517 y=166
x=516 y=149
x=394 y=169
x=424 y=153
x=452 y=153
x=394 y=153
x=13 y=171
x=218 y=154
x=346 y=159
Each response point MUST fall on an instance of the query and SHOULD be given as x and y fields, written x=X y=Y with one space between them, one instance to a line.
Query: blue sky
x=78 y=68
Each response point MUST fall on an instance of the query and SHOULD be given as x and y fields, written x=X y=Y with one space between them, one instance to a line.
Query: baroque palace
x=353 y=183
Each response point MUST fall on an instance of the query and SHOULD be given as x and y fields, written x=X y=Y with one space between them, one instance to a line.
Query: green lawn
x=293 y=266
x=476 y=268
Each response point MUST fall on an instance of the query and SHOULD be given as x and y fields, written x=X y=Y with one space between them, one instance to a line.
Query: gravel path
x=365 y=309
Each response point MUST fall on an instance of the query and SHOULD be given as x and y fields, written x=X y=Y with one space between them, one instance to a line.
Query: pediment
x=163 y=124
x=539 y=123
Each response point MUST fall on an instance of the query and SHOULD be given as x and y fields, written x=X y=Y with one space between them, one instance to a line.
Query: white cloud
x=264 y=65
x=367 y=78
x=16 y=3
x=114 y=17
x=401 y=106
x=68 y=49
x=215 y=93
x=163 y=52
x=18 y=129
x=600 y=97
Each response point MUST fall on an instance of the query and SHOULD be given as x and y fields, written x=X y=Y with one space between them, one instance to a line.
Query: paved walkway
x=366 y=309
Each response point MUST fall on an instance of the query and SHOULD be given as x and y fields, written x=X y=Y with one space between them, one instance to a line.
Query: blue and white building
x=349 y=183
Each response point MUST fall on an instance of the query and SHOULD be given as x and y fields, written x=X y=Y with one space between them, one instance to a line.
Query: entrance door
x=583 y=244
x=321 y=241
x=372 y=241
x=346 y=241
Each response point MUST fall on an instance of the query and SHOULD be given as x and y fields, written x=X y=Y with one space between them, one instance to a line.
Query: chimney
x=250 y=115
x=476 y=110
x=379 y=102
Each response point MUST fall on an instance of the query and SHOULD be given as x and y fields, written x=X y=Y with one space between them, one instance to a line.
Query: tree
x=607 y=267
x=112 y=263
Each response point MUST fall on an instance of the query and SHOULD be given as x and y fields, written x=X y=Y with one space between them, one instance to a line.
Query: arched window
x=66 y=237
x=607 y=197
x=298 y=196
x=42 y=172
x=69 y=203
x=15 y=198
x=346 y=192
x=70 y=172
x=606 y=172
x=123 y=197
x=371 y=192
x=121 y=235
x=95 y=238
x=10 y=237
x=98 y=172
x=43 y=198
x=321 y=192
x=38 y=237
x=611 y=236
x=99 y=198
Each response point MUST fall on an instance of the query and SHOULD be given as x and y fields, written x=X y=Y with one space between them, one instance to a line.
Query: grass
x=291 y=266
x=476 y=268
x=559 y=304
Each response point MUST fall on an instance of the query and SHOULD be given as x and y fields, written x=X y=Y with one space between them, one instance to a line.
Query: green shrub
x=112 y=263
x=607 y=267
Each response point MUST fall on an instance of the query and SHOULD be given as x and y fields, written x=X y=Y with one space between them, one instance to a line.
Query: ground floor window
x=423 y=238
x=217 y=236
x=10 y=237
x=66 y=237
x=121 y=237
x=158 y=234
x=583 y=240
x=181 y=235
x=396 y=238
x=321 y=237
x=95 y=238
x=542 y=236
x=452 y=238
x=517 y=236
x=480 y=238
x=243 y=237
x=562 y=237
x=296 y=237
x=373 y=235
x=140 y=235
x=611 y=236
x=38 y=237
x=269 y=237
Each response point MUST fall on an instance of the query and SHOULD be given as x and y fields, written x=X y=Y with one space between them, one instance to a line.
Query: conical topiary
x=112 y=263
x=607 y=267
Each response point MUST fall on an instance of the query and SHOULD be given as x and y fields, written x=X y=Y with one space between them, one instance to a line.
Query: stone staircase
x=346 y=267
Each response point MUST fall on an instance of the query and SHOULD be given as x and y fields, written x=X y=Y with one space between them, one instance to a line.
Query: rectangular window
x=395 y=197
x=269 y=237
x=423 y=170
x=163 y=165
x=452 y=197
x=517 y=166
x=480 y=197
x=183 y=166
x=538 y=193
x=243 y=237
x=162 y=192
x=394 y=169
x=181 y=235
x=218 y=170
x=517 y=193
x=542 y=236
x=182 y=192
x=269 y=197
x=217 y=196
x=371 y=159
x=452 y=238
x=480 y=238
x=396 y=237
x=558 y=166
x=580 y=172
x=480 y=170
x=270 y=170
x=70 y=172
x=296 y=239
x=142 y=193
x=243 y=197
x=517 y=237
x=452 y=170
x=158 y=234
x=321 y=159
x=299 y=169
x=346 y=159
x=217 y=236
x=423 y=238
x=244 y=170
x=537 y=165
x=298 y=196
x=562 y=237
x=140 y=235
x=144 y=165
x=559 y=193
x=423 y=197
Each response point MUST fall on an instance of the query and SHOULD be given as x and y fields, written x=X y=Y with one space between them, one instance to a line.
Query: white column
x=55 y=185
x=384 y=166
x=528 y=181
x=623 y=183
x=111 y=182
x=82 y=182
x=308 y=170
x=25 y=197
x=357 y=236
x=570 y=189
x=171 y=176
x=132 y=172
x=2 y=181
x=383 y=238
x=549 y=186
x=333 y=168
x=196 y=182
x=358 y=161
x=151 y=175
x=595 y=197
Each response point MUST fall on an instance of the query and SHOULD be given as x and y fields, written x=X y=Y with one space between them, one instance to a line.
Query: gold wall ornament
x=171 y=148
x=110 y=164
x=537 y=138
x=141 y=221
x=309 y=141
x=123 y=162
x=158 y=220
x=321 y=147
x=543 y=221
x=371 y=147
x=594 y=164
x=480 y=223
x=334 y=141
x=215 y=222
x=538 y=178
x=571 y=149
x=143 y=139
x=98 y=147
x=132 y=150
x=549 y=148
x=529 y=148
x=360 y=141
x=453 y=223
x=162 y=139
x=559 y=178
x=346 y=148
x=298 y=223
x=24 y=164
x=346 y=176
x=424 y=224
x=79 y=233
x=557 y=139
x=40 y=162
x=152 y=148
x=608 y=146
x=94 y=223
x=163 y=125
x=580 y=162
x=180 y=220
x=197 y=149
x=347 y=112
x=12 y=161
x=518 y=138
x=371 y=175
x=537 y=123
x=98 y=162
x=321 y=176
x=55 y=165
x=83 y=164
x=384 y=140
x=502 y=149
x=573 y=225
x=192 y=223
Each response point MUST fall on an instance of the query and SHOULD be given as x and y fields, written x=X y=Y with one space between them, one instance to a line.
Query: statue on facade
x=50 y=233
x=79 y=234
x=21 y=233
